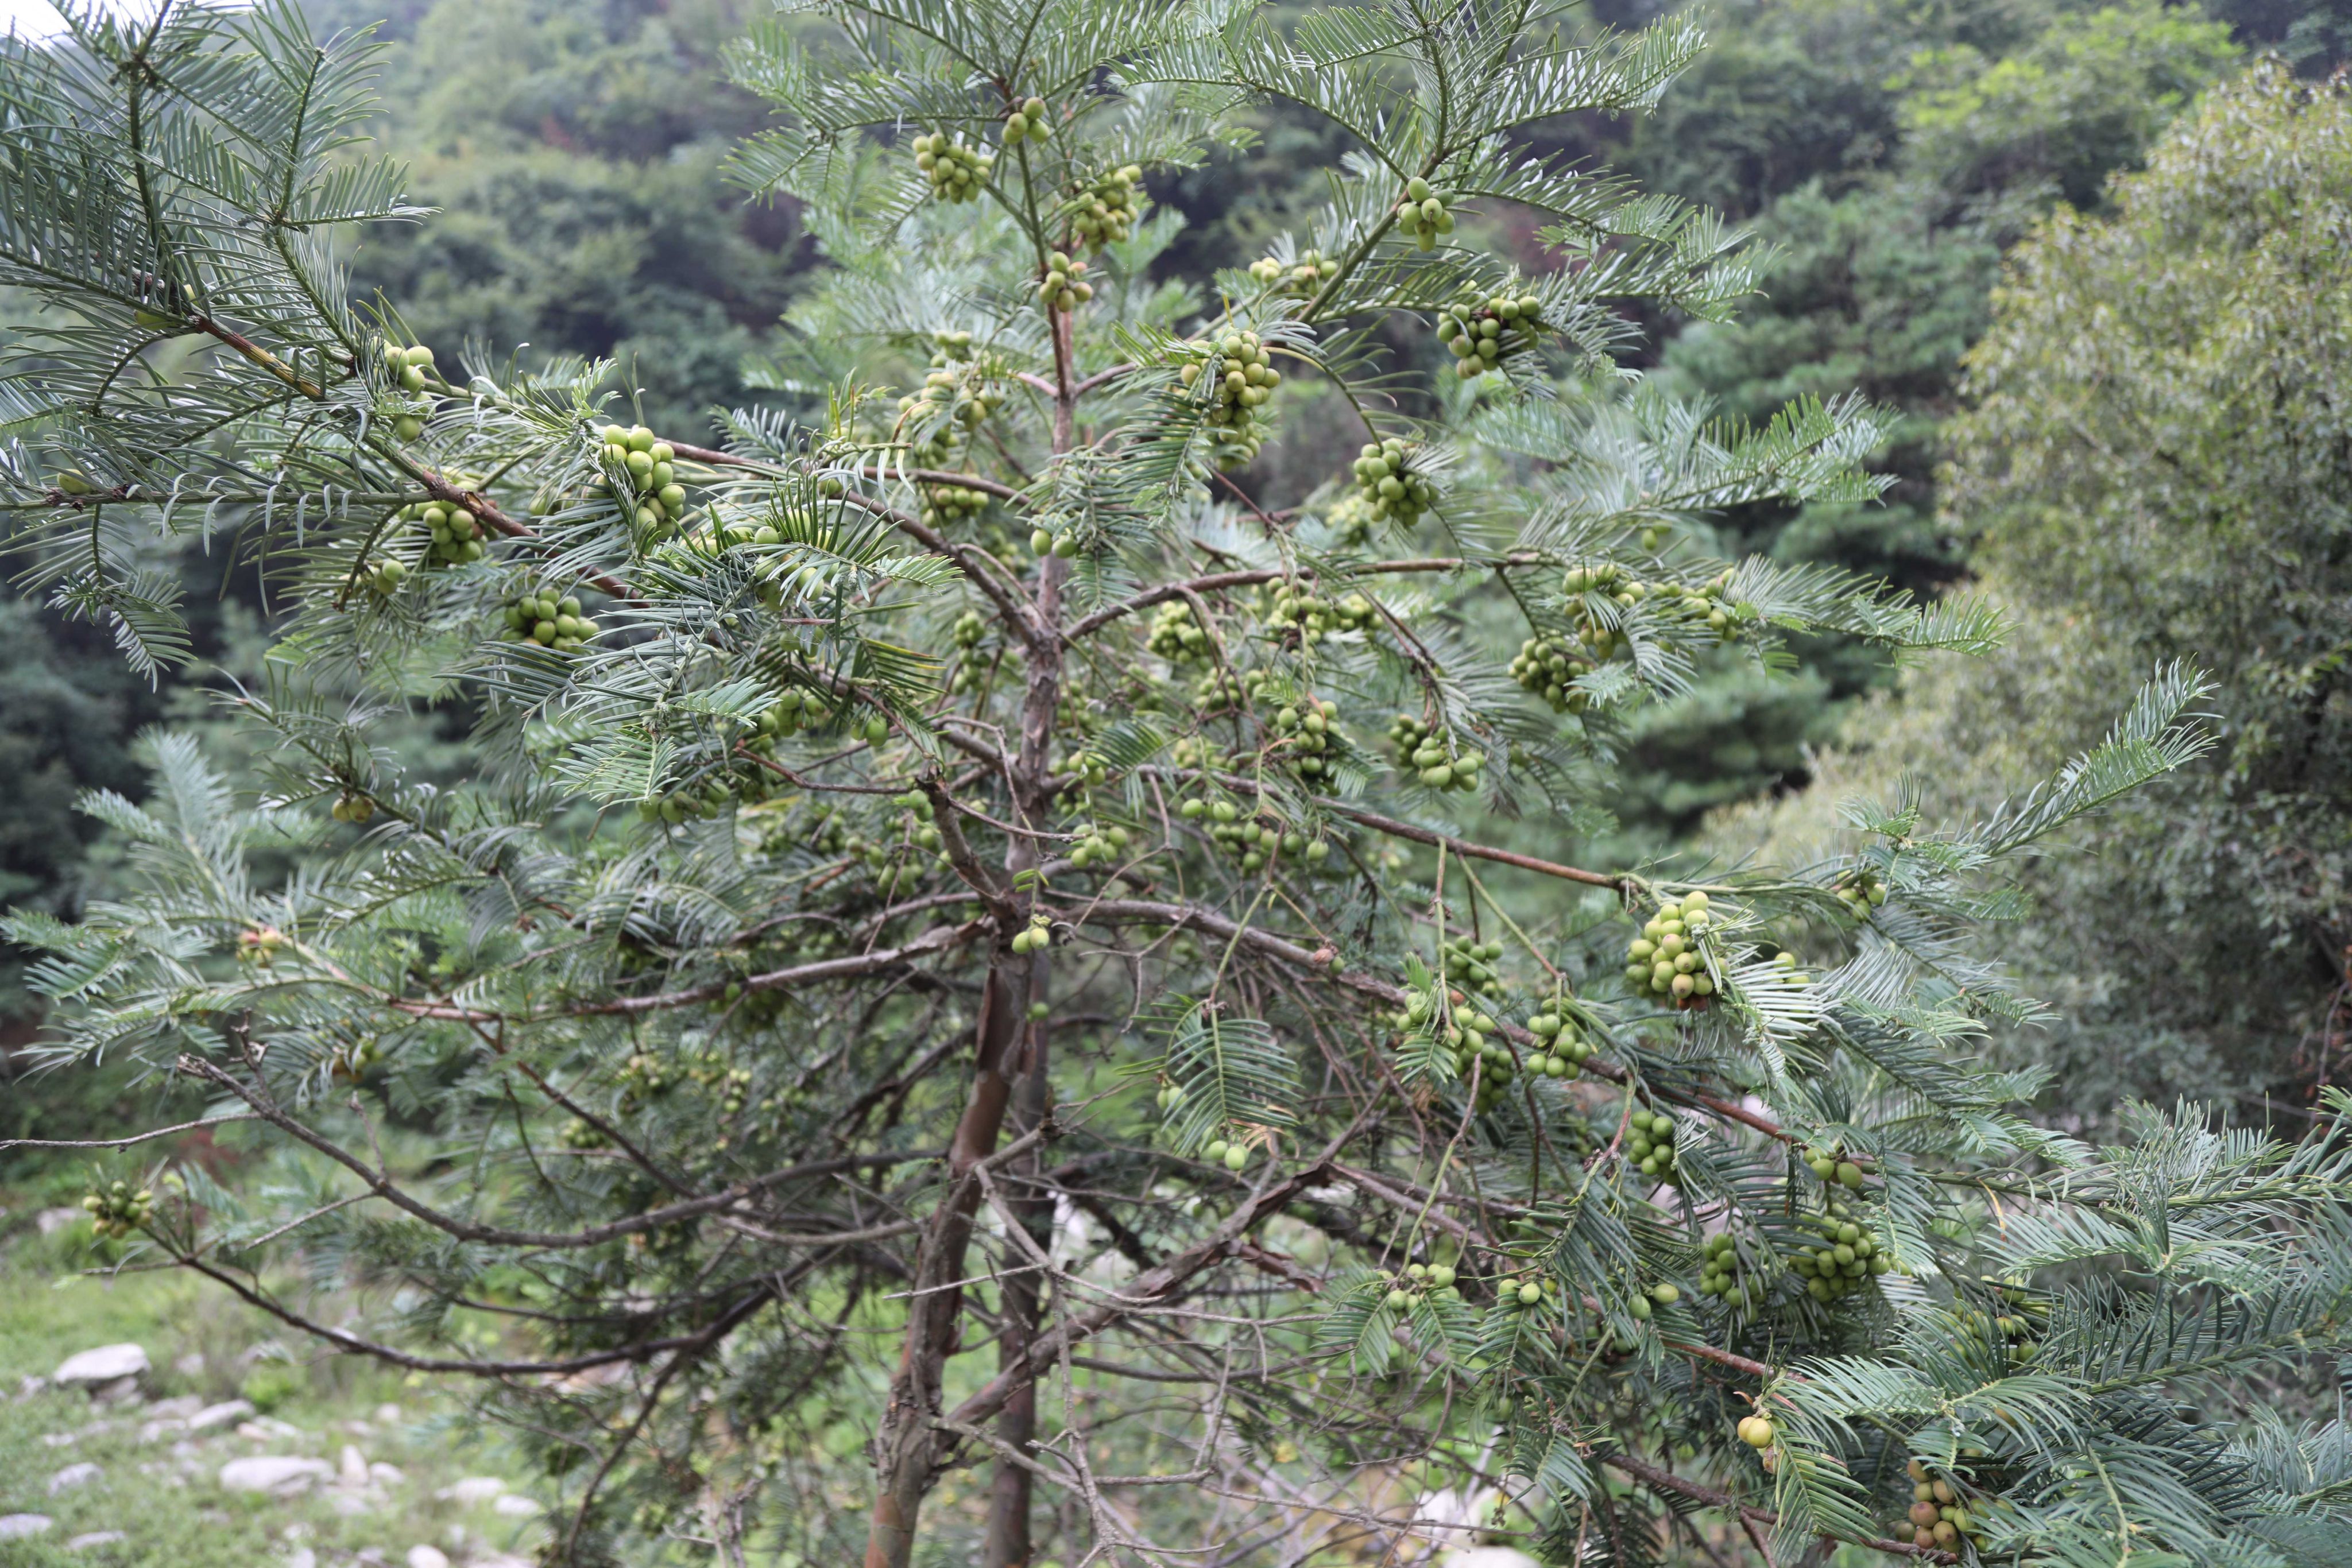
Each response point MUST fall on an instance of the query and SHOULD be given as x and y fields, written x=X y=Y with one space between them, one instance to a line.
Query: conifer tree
x=965 y=929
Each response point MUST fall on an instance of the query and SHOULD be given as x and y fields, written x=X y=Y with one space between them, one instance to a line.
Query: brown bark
x=906 y=1448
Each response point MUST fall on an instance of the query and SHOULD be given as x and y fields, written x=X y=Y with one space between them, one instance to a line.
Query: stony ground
x=127 y=1436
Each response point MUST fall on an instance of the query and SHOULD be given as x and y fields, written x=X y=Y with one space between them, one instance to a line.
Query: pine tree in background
x=959 y=930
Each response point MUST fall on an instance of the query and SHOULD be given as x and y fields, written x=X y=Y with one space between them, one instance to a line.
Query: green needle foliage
x=892 y=972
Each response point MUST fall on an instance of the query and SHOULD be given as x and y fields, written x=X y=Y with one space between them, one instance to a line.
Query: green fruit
x=1236 y=1158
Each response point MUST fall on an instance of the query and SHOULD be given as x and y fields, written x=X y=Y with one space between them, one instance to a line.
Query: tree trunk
x=1007 y=1544
x=905 y=1448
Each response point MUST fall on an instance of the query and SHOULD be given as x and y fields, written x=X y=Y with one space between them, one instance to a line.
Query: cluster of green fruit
x=1846 y=1255
x=647 y=467
x=351 y=807
x=1241 y=377
x=1860 y=890
x=1470 y=965
x=944 y=391
x=1176 y=636
x=1255 y=843
x=257 y=945
x=1721 y=1274
x=645 y=1077
x=1421 y=749
x=1314 y=618
x=1663 y=960
x=457 y=535
x=1939 y=1519
x=576 y=1134
x=1650 y=1144
x=1306 y=728
x=1301 y=279
x=971 y=629
x=946 y=504
x=1480 y=331
x=1064 y=287
x=350 y=1063
x=116 y=1209
x=1643 y=1303
x=1036 y=936
x=1351 y=520
x=694 y=801
x=549 y=622
x=1549 y=667
x=1417 y=1280
x=793 y=711
x=1107 y=211
x=922 y=826
x=384 y=576
x=2018 y=1327
x=1171 y=1096
x=1223 y=689
x=1830 y=1163
x=1064 y=544
x=1757 y=1432
x=1527 y=1291
x=1389 y=484
x=1234 y=1156
x=957 y=172
x=1561 y=1049
x=1421 y=214
x=1029 y=123
x=407 y=367
x=1099 y=845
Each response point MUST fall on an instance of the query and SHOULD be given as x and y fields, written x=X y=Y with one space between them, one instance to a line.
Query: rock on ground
x=73 y=1476
x=428 y=1557
x=273 y=1473
x=473 y=1489
x=16 y=1526
x=95 y=1538
x=106 y=1365
x=217 y=1415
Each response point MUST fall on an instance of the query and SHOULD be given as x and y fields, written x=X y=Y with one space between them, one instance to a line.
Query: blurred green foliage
x=2158 y=464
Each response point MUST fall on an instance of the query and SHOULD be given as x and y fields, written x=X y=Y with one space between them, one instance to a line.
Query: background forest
x=2084 y=253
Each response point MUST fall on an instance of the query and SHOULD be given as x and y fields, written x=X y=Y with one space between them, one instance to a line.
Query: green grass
x=169 y=1502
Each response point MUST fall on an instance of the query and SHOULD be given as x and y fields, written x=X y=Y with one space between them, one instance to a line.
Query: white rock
x=353 y=1471
x=501 y=1560
x=52 y=1220
x=359 y=1428
x=106 y=1365
x=349 y=1504
x=95 y=1538
x=473 y=1489
x=73 y=1476
x=269 y=1429
x=29 y=1386
x=190 y=1364
x=279 y=1473
x=216 y=1414
x=423 y=1557
x=387 y=1475
x=178 y=1409
x=123 y=1390
x=387 y=1414
x=301 y=1557
x=59 y=1440
x=16 y=1526
x=518 y=1506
